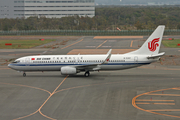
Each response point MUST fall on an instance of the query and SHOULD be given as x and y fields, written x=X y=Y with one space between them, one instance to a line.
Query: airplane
x=73 y=64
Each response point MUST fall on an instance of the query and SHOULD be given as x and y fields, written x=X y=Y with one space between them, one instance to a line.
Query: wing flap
x=95 y=67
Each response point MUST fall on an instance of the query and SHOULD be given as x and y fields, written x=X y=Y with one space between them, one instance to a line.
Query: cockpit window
x=17 y=61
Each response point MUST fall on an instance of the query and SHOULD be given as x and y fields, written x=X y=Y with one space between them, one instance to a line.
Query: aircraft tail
x=152 y=45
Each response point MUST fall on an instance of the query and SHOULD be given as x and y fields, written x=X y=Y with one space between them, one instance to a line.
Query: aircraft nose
x=12 y=66
x=9 y=65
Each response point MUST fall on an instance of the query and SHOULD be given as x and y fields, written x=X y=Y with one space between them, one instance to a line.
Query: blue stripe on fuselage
x=65 y=64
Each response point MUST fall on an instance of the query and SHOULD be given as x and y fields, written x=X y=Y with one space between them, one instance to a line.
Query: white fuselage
x=73 y=64
x=55 y=62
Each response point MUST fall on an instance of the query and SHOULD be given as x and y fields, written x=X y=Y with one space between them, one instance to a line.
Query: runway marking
x=101 y=84
x=74 y=88
x=154 y=100
x=131 y=43
x=164 y=103
x=26 y=115
x=49 y=98
x=101 y=44
x=72 y=44
x=55 y=91
x=44 y=52
x=165 y=110
x=27 y=86
x=143 y=103
x=158 y=103
x=98 y=51
x=112 y=40
x=106 y=46
x=176 y=88
x=116 y=37
x=90 y=46
x=39 y=110
x=150 y=111
x=165 y=94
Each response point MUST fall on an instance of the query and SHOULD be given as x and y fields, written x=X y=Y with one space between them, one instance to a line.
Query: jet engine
x=68 y=71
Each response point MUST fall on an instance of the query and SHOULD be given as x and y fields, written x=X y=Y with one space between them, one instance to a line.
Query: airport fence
x=87 y=32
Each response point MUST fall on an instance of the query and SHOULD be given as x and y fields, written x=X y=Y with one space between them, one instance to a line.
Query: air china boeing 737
x=73 y=64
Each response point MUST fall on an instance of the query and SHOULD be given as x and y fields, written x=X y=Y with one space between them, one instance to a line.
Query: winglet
x=108 y=57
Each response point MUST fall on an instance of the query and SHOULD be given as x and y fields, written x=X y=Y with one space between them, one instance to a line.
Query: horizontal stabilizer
x=155 y=56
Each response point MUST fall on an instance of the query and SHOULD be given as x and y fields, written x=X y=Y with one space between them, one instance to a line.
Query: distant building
x=137 y=2
x=151 y=3
x=47 y=8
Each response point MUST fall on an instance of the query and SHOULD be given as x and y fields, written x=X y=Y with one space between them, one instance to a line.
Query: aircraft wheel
x=24 y=74
x=87 y=74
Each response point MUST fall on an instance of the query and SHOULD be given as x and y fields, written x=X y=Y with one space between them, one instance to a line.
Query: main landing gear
x=86 y=74
x=24 y=74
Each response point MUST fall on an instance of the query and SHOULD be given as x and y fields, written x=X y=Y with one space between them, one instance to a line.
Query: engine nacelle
x=68 y=71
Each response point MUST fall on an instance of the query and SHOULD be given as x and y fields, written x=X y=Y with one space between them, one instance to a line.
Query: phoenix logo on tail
x=152 y=45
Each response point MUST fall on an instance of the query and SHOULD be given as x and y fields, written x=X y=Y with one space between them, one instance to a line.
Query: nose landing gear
x=24 y=74
x=86 y=74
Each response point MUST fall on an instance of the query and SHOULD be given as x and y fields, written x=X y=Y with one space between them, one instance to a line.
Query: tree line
x=106 y=18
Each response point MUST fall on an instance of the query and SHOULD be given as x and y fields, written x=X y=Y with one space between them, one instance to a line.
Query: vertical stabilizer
x=152 y=45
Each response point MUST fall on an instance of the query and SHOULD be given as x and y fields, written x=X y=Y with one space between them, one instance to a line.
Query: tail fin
x=152 y=45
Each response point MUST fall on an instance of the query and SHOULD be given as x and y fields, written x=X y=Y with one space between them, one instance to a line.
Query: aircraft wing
x=95 y=67
x=155 y=56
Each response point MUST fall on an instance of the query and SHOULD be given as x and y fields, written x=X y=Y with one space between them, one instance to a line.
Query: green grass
x=171 y=43
x=22 y=44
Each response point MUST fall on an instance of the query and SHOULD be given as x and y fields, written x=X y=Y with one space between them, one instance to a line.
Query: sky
x=137 y=2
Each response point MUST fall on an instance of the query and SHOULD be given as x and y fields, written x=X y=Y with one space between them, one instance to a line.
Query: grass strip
x=171 y=43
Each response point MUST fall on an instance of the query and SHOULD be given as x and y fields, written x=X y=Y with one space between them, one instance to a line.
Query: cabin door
x=27 y=61
x=78 y=60
x=136 y=59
